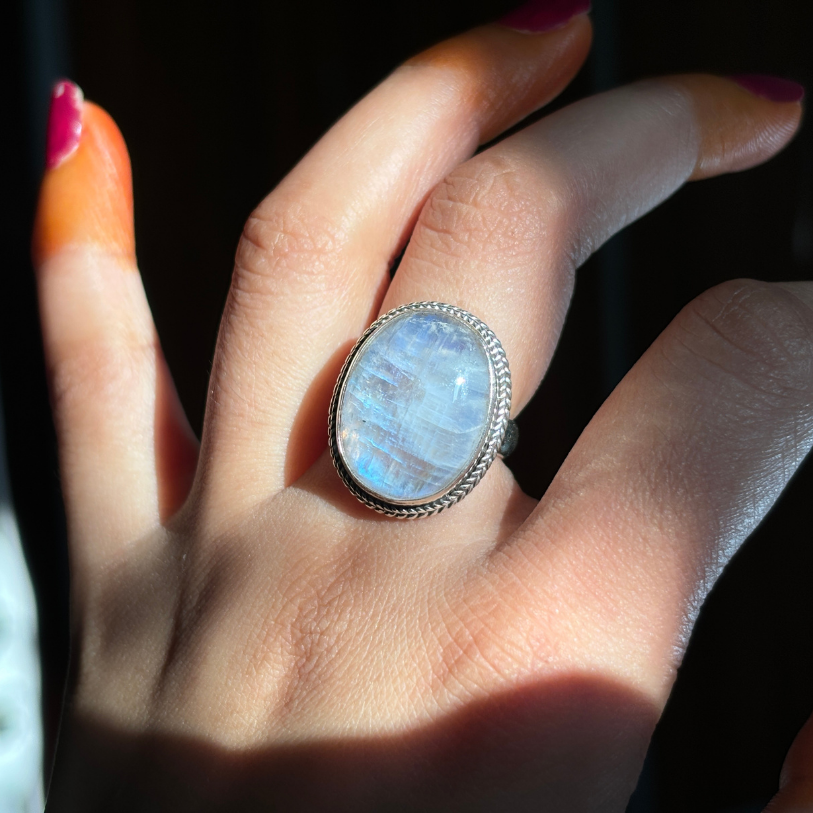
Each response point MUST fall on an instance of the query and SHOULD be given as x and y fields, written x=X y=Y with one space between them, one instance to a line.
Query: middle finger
x=314 y=259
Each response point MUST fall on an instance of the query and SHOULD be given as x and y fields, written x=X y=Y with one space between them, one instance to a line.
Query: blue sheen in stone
x=416 y=406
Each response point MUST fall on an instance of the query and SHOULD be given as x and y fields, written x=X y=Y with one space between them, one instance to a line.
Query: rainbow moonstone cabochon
x=415 y=407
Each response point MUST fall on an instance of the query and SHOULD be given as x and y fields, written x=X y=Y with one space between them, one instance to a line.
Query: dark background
x=217 y=101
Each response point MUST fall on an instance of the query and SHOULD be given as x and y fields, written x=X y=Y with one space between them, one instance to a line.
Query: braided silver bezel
x=492 y=438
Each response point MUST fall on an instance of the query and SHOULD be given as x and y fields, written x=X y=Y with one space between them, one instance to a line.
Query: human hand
x=245 y=634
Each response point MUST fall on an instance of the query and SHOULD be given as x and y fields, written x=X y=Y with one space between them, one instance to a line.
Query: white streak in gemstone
x=416 y=406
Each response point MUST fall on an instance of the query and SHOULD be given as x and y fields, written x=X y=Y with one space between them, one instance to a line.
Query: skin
x=246 y=636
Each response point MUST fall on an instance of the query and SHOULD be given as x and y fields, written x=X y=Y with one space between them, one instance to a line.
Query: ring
x=421 y=410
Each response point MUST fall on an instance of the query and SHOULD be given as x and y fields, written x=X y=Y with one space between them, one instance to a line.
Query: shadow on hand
x=574 y=743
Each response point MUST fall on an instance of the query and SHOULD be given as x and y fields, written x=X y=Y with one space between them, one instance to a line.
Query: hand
x=246 y=635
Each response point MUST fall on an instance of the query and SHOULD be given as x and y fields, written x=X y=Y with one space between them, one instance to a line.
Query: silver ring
x=421 y=410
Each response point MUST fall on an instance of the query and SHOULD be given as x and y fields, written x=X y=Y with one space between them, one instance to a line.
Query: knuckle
x=482 y=641
x=108 y=372
x=283 y=246
x=468 y=653
x=486 y=205
x=756 y=333
x=316 y=620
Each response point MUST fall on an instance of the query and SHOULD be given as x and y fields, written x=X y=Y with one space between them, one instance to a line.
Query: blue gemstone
x=416 y=406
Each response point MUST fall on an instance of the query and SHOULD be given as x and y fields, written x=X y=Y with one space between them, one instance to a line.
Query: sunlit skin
x=510 y=76
x=245 y=634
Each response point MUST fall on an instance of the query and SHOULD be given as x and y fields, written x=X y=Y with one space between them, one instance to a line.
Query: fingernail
x=772 y=88
x=538 y=16
x=64 y=123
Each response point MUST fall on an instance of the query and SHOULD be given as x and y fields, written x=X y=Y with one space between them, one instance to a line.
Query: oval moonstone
x=415 y=408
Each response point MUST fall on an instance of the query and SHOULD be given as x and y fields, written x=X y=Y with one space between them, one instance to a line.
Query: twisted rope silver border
x=492 y=441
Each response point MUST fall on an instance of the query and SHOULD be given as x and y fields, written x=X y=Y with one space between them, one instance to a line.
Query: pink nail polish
x=771 y=88
x=538 y=16
x=64 y=123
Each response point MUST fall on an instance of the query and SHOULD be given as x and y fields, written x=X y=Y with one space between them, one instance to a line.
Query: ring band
x=421 y=410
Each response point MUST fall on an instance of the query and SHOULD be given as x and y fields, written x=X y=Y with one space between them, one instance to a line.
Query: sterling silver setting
x=498 y=437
